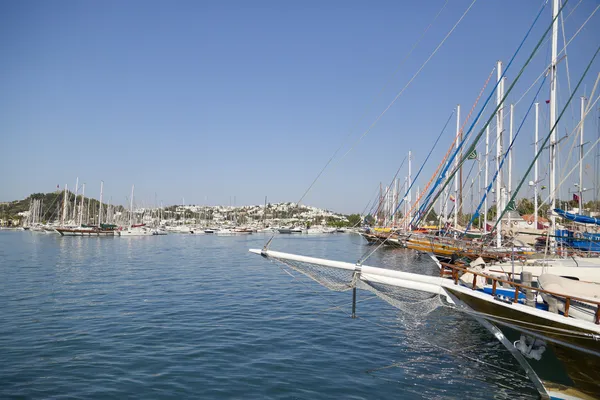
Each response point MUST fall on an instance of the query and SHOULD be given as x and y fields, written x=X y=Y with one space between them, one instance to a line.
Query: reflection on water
x=198 y=316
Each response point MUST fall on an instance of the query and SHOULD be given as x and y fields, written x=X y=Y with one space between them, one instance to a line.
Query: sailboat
x=99 y=230
x=134 y=229
x=533 y=334
x=555 y=322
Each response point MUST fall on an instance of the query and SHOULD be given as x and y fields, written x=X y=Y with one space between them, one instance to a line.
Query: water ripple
x=197 y=316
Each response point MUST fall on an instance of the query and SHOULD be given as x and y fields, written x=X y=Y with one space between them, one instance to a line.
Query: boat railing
x=451 y=270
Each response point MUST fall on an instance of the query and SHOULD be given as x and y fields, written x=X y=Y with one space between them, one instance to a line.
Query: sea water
x=198 y=316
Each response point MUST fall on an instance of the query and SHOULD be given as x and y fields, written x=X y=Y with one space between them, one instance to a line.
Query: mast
x=407 y=217
x=64 y=212
x=404 y=190
x=75 y=202
x=535 y=170
x=487 y=150
x=499 y=129
x=456 y=183
x=100 y=206
x=510 y=151
x=392 y=195
x=380 y=207
x=81 y=205
x=581 y=156
x=553 y=143
x=478 y=192
x=265 y=213
x=87 y=216
x=131 y=207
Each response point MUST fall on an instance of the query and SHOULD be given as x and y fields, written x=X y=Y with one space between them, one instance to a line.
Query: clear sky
x=209 y=101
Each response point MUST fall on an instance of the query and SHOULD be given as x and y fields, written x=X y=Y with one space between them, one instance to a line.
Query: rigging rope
x=435 y=174
x=545 y=71
x=489 y=188
x=478 y=136
x=413 y=77
x=363 y=258
x=586 y=111
x=396 y=98
x=386 y=85
x=512 y=199
x=585 y=155
x=381 y=201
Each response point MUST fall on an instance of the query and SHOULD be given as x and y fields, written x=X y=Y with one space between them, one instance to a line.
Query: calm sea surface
x=198 y=316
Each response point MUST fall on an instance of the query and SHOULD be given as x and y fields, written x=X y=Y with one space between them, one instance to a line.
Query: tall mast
x=131 y=207
x=510 y=153
x=456 y=183
x=380 y=207
x=100 y=206
x=404 y=190
x=553 y=104
x=87 y=215
x=75 y=202
x=264 y=213
x=407 y=217
x=535 y=170
x=81 y=205
x=64 y=212
x=499 y=129
x=485 y=183
x=392 y=196
x=581 y=156
x=479 y=192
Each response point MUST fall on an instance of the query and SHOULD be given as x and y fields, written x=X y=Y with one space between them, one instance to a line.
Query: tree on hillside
x=354 y=219
x=525 y=207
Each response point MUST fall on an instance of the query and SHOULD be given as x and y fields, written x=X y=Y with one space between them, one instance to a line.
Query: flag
x=472 y=155
x=575 y=197
x=511 y=206
x=452 y=198
x=547 y=101
x=58 y=186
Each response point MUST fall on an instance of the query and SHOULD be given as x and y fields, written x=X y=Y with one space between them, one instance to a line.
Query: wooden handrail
x=455 y=269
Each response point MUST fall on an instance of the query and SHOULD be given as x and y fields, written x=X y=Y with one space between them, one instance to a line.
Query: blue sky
x=210 y=100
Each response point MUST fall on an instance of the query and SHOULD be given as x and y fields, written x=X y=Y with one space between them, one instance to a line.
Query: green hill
x=52 y=204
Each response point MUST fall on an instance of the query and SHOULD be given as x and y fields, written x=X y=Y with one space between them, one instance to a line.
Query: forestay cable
x=512 y=198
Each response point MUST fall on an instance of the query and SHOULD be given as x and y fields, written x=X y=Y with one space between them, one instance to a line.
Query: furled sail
x=584 y=219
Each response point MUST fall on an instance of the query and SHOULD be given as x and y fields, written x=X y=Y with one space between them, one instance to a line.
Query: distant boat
x=159 y=232
x=87 y=230
x=134 y=229
x=137 y=230
x=290 y=230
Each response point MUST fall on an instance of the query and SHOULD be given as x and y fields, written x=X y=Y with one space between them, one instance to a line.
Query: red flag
x=575 y=197
x=547 y=101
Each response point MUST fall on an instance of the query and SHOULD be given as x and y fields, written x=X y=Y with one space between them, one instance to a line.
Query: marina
x=445 y=245
x=187 y=315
